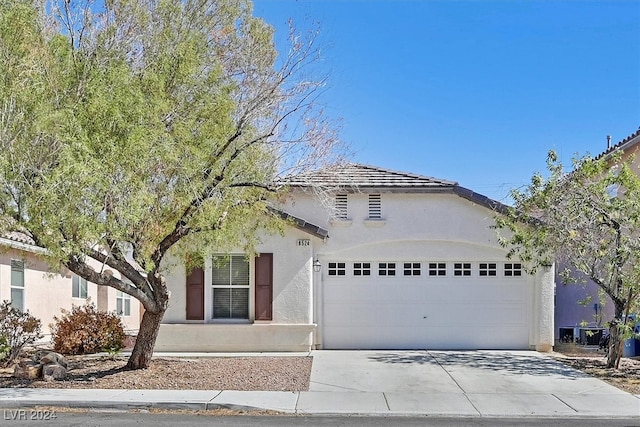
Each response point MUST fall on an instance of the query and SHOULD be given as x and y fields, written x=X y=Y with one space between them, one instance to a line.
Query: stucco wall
x=46 y=292
x=292 y=275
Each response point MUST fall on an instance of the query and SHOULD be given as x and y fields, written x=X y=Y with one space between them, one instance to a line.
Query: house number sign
x=304 y=242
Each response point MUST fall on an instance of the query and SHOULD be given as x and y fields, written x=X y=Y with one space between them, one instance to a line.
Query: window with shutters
x=341 y=207
x=230 y=281
x=17 y=284
x=375 y=207
x=78 y=287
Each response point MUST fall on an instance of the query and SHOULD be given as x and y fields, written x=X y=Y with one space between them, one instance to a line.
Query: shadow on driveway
x=507 y=362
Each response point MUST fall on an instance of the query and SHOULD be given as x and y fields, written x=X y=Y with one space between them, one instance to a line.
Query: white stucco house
x=400 y=261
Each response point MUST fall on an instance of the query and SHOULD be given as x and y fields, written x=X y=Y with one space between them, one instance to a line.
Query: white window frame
x=77 y=288
x=123 y=303
x=17 y=284
x=237 y=283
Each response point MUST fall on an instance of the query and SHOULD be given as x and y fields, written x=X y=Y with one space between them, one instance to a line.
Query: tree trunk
x=614 y=344
x=615 y=349
x=143 y=350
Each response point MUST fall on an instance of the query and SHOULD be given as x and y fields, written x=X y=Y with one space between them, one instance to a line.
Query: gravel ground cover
x=264 y=373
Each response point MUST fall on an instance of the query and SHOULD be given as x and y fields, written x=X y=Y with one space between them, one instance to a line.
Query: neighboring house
x=579 y=306
x=399 y=261
x=31 y=285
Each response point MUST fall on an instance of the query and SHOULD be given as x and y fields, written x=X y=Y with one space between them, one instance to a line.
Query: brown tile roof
x=359 y=176
x=626 y=143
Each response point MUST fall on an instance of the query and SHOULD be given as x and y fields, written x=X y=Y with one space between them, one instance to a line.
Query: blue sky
x=474 y=91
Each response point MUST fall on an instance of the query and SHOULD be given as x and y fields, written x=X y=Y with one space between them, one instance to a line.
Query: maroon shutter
x=195 y=294
x=264 y=287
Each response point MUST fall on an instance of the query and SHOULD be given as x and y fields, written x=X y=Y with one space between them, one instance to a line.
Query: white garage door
x=422 y=305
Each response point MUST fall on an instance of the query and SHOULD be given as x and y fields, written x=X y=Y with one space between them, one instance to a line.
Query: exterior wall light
x=317 y=266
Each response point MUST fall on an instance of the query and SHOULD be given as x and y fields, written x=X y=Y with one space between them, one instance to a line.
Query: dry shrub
x=85 y=330
x=17 y=329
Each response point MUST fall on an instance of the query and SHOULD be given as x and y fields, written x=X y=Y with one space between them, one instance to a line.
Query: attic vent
x=375 y=208
x=341 y=206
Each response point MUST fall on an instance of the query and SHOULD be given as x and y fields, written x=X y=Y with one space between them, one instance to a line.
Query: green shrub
x=17 y=329
x=85 y=330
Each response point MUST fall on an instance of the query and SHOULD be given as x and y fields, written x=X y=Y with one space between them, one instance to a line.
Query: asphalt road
x=35 y=417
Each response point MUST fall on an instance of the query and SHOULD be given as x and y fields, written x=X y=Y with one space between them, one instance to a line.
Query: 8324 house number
x=29 y=414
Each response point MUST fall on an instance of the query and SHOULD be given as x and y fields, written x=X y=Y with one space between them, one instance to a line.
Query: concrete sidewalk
x=438 y=383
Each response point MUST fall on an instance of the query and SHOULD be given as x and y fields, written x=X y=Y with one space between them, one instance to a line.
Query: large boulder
x=54 y=372
x=27 y=370
x=44 y=364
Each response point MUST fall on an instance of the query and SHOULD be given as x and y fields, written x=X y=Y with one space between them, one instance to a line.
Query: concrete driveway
x=487 y=383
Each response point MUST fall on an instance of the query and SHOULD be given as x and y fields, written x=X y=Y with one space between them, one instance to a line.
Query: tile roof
x=364 y=177
x=359 y=176
x=302 y=224
x=629 y=141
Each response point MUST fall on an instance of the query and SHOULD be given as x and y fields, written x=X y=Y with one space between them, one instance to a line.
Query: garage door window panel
x=386 y=269
x=462 y=269
x=512 y=269
x=337 y=269
x=361 y=269
x=487 y=269
x=437 y=269
x=412 y=269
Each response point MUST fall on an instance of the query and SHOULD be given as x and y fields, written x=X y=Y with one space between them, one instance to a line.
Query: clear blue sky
x=475 y=91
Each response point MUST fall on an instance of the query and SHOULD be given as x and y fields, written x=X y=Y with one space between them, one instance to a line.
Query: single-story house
x=391 y=260
x=31 y=285
x=579 y=307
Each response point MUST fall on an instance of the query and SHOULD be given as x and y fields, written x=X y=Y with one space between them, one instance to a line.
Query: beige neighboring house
x=30 y=284
x=393 y=260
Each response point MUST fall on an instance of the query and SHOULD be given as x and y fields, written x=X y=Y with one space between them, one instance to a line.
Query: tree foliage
x=589 y=220
x=128 y=126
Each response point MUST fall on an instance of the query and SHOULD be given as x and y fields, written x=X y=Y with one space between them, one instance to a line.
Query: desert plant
x=17 y=329
x=85 y=330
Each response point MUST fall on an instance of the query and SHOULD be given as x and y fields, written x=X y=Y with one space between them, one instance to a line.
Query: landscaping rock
x=27 y=370
x=53 y=358
x=54 y=372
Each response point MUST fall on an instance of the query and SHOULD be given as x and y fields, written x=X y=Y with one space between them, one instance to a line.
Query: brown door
x=195 y=294
x=264 y=287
